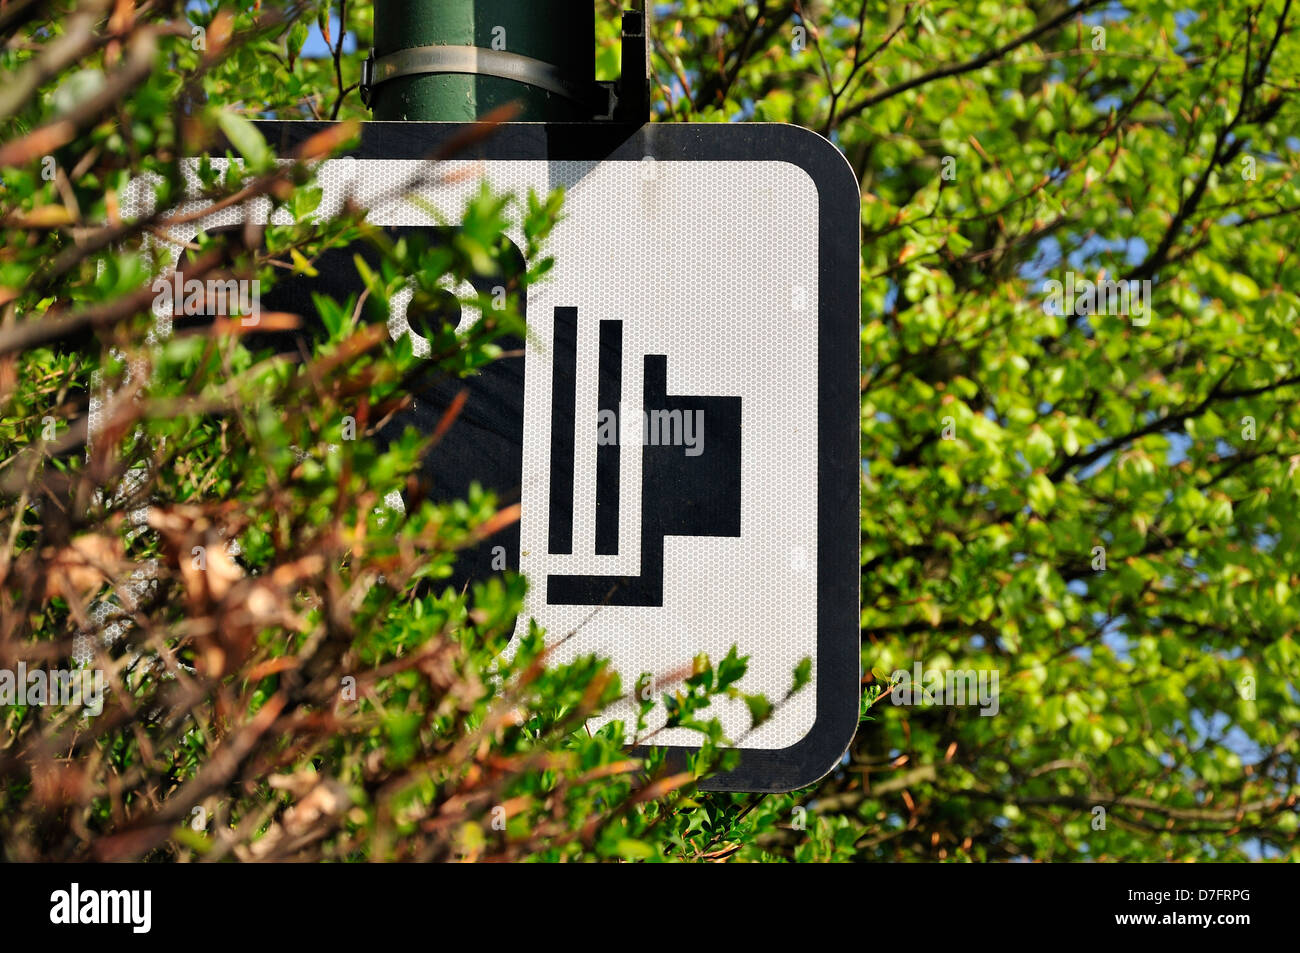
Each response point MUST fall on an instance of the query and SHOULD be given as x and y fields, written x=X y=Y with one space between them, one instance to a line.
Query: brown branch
x=978 y=62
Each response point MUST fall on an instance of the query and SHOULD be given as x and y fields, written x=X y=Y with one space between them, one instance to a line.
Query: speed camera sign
x=681 y=423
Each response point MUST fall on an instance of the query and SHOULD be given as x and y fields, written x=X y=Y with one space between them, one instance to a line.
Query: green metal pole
x=557 y=32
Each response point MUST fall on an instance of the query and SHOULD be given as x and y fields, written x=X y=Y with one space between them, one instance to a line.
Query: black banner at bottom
x=147 y=904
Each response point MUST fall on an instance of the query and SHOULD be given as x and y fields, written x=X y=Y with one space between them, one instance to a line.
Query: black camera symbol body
x=690 y=468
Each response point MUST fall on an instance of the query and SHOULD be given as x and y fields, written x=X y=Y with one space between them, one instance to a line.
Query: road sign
x=681 y=426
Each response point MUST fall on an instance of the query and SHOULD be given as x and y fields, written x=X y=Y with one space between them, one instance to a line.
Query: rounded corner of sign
x=829 y=745
x=822 y=160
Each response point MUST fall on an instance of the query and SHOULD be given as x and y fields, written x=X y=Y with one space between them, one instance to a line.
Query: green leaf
x=294 y=41
x=246 y=139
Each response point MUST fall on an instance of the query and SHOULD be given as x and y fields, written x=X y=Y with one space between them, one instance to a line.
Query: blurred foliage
x=1096 y=508
x=210 y=522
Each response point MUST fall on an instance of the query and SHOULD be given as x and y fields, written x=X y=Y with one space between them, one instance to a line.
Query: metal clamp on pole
x=367 y=78
x=477 y=61
x=627 y=100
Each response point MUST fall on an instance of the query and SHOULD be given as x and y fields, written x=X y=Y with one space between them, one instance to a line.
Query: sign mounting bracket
x=626 y=100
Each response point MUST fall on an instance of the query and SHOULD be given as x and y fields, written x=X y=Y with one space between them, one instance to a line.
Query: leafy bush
x=218 y=527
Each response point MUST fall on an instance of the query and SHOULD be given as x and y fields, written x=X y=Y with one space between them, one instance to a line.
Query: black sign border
x=838 y=675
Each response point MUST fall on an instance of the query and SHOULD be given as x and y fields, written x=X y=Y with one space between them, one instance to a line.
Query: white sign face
x=715 y=289
x=688 y=453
